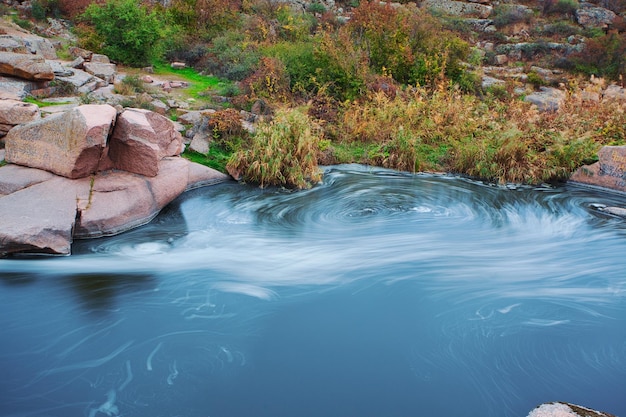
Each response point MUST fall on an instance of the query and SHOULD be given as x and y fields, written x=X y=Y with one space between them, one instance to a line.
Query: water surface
x=375 y=294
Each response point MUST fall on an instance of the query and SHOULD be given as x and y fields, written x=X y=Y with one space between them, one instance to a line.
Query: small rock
x=178 y=65
x=105 y=72
x=559 y=409
x=548 y=99
x=614 y=92
x=101 y=59
x=14 y=112
x=501 y=59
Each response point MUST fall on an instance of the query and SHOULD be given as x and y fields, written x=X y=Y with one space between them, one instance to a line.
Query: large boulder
x=40 y=218
x=28 y=67
x=141 y=139
x=68 y=144
x=561 y=409
x=608 y=172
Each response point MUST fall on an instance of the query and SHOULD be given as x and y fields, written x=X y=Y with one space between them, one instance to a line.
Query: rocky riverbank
x=90 y=172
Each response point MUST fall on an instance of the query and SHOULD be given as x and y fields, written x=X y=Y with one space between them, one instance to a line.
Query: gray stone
x=28 y=67
x=459 y=8
x=200 y=143
x=78 y=78
x=561 y=409
x=99 y=58
x=201 y=176
x=614 y=92
x=76 y=63
x=105 y=72
x=10 y=43
x=595 y=17
x=59 y=70
x=548 y=99
x=488 y=81
x=68 y=144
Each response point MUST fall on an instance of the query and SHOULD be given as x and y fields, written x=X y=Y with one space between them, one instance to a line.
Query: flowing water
x=375 y=294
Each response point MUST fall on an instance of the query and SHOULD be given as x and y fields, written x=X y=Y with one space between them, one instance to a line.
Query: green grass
x=217 y=158
x=40 y=103
x=198 y=84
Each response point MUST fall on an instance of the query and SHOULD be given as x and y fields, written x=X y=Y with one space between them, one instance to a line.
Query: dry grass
x=283 y=152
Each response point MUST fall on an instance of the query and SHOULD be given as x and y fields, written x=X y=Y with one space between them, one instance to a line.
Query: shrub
x=507 y=14
x=316 y=7
x=129 y=31
x=226 y=129
x=605 y=56
x=129 y=85
x=565 y=7
x=283 y=152
x=231 y=56
x=270 y=80
x=340 y=65
x=299 y=62
x=407 y=44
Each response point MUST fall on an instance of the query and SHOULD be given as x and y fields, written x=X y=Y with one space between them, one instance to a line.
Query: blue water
x=373 y=294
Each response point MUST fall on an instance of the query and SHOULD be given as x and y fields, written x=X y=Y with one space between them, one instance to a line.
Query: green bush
x=231 y=56
x=129 y=31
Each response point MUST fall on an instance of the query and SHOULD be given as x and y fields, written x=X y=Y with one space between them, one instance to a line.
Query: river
x=375 y=293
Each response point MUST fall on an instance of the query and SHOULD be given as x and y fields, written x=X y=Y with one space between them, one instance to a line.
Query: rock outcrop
x=560 y=409
x=68 y=144
x=66 y=187
x=609 y=172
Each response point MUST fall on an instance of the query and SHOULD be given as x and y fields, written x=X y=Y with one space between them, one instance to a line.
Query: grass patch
x=199 y=84
x=217 y=158
x=33 y=100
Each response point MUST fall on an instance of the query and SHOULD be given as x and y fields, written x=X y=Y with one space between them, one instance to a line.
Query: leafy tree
x=130 y=33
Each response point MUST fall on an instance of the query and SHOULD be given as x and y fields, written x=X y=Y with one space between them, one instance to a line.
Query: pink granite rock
x=608 y=172
x=15 y=112
x=14 y=178
x=141 y=139
x=120 y=201
x=40 y=218
x=69 y=144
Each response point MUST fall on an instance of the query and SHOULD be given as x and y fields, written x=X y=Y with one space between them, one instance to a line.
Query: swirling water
x=375 y=293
